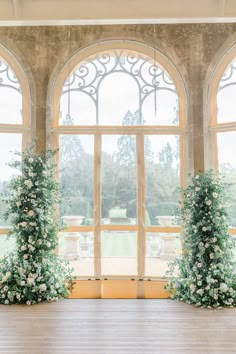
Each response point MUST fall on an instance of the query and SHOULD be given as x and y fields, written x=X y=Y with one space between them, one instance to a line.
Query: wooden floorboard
x=95 y=326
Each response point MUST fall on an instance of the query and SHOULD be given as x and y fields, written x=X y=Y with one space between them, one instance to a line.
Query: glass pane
x=77 y=248
x=119 y=252
x=7 y=244
x=10 y=96
x=162 y=179
x=226 y=108
x=118 y=179
x=227 y=166
x=76 y=178
x=106 y=87
x=9 y=144
x=161 y=108
x=77 y=108
x=160 y=249
x=118 y=96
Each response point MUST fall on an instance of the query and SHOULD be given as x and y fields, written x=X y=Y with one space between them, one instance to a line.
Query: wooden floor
x=116 y=326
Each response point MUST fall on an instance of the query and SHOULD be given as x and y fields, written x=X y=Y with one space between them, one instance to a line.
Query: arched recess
x=141 y=146
x=15 y=124
x=221 y=123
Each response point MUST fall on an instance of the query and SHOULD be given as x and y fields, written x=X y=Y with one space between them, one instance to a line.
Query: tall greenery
x=33 y=273
x=205 y=274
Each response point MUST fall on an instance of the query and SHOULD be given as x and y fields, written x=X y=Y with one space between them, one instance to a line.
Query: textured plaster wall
x=193 y=48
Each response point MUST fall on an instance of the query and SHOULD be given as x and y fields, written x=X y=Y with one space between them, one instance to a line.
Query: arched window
x=14 y=126
x=223 y=125
x=119 y=124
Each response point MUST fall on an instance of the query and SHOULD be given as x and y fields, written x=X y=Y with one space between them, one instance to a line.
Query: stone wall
x=194 y=48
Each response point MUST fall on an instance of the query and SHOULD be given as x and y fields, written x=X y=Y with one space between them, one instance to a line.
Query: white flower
x=6 y=302
x=214 y=239
x=215 y=296
x=5 y=288
x=28 y=183
x=25 y=256
x=48 y=244
x=199 y=265
x=231 y=300
x=8 y=274
x=223 y=287
x=207 y=245
x=199 y=283
x=231 y=290
x=21 y=270
x=31 y=160
x=192 y=287
x=42 y=287
x=18 y=296
x=208 y=202
x=31 y=174
x=212 y=256
x=204 y=228
x=215 y=195
x=200 y=291
x=197 y=189
x=30 y=281
x=31 y=213
x=18 y=204
x=23 y=224
x=23 y=248
x=22 y=283
x=199 y=276
x=196 y=177
x=28 y=302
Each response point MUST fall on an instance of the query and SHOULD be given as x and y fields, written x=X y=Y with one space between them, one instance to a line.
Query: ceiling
x=51 y=12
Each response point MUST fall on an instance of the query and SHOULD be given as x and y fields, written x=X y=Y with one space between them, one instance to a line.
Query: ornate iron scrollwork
x=88 y=75
x=8 y=77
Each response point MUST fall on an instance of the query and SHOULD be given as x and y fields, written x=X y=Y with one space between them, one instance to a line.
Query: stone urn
x=168 y=239
x=72 y=238
x=73 y=220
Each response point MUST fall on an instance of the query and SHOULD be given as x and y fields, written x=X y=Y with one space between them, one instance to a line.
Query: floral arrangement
x=33 y=273
x=205 y=273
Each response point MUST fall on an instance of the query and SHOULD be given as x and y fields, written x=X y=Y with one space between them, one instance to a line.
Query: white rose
x=23 y=224
x=223 y=287
x=214 y=239
x=31 y=160
x=31 y=213
x=23 y=248
x=212 y=256
x=199 y=265
x=42 y=287
x=215 y=195
x=208 y=202
x=28 y=303
x=192 y=287
x=30 y=281
x=25 y=256
x=204 y=228
x=197 y=189
x=6 y=302
x=18 y=204
x=200 y=291
x=196 y=177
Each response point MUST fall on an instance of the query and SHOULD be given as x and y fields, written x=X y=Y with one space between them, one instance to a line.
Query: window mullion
x=141 y=204
x=97 y=205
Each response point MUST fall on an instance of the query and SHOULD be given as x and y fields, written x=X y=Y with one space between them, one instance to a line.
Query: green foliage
x=33 y=273
x=204 y=274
